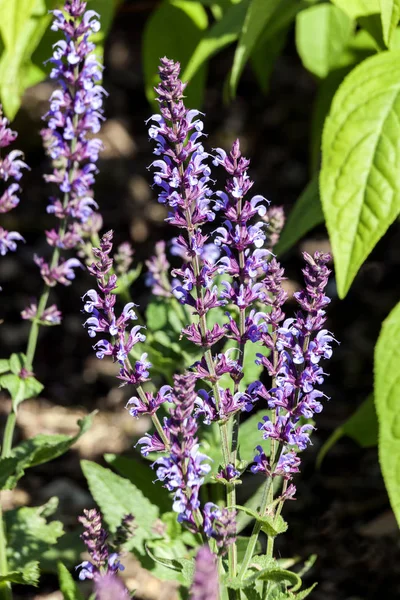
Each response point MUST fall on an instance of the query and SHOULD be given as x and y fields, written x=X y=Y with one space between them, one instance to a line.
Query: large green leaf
x=358 y=8
x=322 y=32
x=36 y=451
x=68 y=586
x=360 y=183
x=221 y=34
x=264 y=55
x=118 y=497
x=23 y=24
x=29 y=535
x=257 y=17
x=141 y=475
x=390 y=15
x=387 y=402
x=187 y=20
x=304 y=216
x=362 y=427
x=28 y=574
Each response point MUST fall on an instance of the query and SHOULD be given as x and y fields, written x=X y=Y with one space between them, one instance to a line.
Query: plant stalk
x=5 y=586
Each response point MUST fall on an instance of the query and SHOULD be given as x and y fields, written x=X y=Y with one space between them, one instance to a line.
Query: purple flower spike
x=109 y=587
x=299 y=345
x=10 y=167
x=75 y=115
x=183 y=470
x=102 y=561
x=100 y=306
x=205 y=584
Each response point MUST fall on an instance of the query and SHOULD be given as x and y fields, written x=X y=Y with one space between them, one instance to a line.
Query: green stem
x=8 y=435
x=5 y=586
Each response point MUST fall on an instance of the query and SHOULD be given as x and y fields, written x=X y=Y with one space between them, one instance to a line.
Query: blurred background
x=342 y=512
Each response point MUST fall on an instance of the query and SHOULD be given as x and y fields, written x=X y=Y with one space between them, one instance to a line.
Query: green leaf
x=118 y=497
x=188 y=20
x=322 y=32
x=29 y=535
x=271 y=573
x=141 y=475
x=242 y=543
x=373 y=24
x=22 y=28
x=358 y=8
x=125 y=281
x=19 y=386
x=243 y=519
x=270 y=525
x=247 y=442
x=4 y=365
x=304 y=216
x=362 y=427
x=360 y=183
x=184 y=566
x=264 y=56
x=68 y=586
x=387 y=402
x=36 y=451
x=257 y=17
x=390 y=15
x=28 y=575
x=221 y=34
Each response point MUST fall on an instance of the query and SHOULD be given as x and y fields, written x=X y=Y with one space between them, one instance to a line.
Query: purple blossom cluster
x=74 y=118
x=100 y=305
x=299 y=345
x=231 y=268
x=182 y=471
x=102 y=560
x=205 y=584
x=11 y=167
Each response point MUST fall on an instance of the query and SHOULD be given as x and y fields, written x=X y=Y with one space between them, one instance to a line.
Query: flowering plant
x=241 y=401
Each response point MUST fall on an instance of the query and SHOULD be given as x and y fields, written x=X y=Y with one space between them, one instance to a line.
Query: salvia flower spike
x=11 y=166
x=72 y=121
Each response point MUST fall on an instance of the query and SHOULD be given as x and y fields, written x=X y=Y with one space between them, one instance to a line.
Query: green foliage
x=26 y=43
x=118 y=497
x=390 y=15
x=141 y=476
x=20 y=386
x=36 y=451
x=29 y=535
x=322 y=32
x=305 y=215
x=28 y=574
x=362 y=427
x=387 y=402
x=68 y=587
x=270 y=525
x=257 y=18
x=361 y=149
x=221 y=34
x=189 y=20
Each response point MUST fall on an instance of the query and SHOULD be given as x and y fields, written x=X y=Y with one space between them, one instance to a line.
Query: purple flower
x=205 y=584
x=10 y=167
x=75 y=114
x=102 y=561
x=100 y=305
x=220 y=524
x=183 y=470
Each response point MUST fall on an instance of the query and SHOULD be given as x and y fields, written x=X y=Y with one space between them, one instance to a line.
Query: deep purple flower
x=182 y=471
